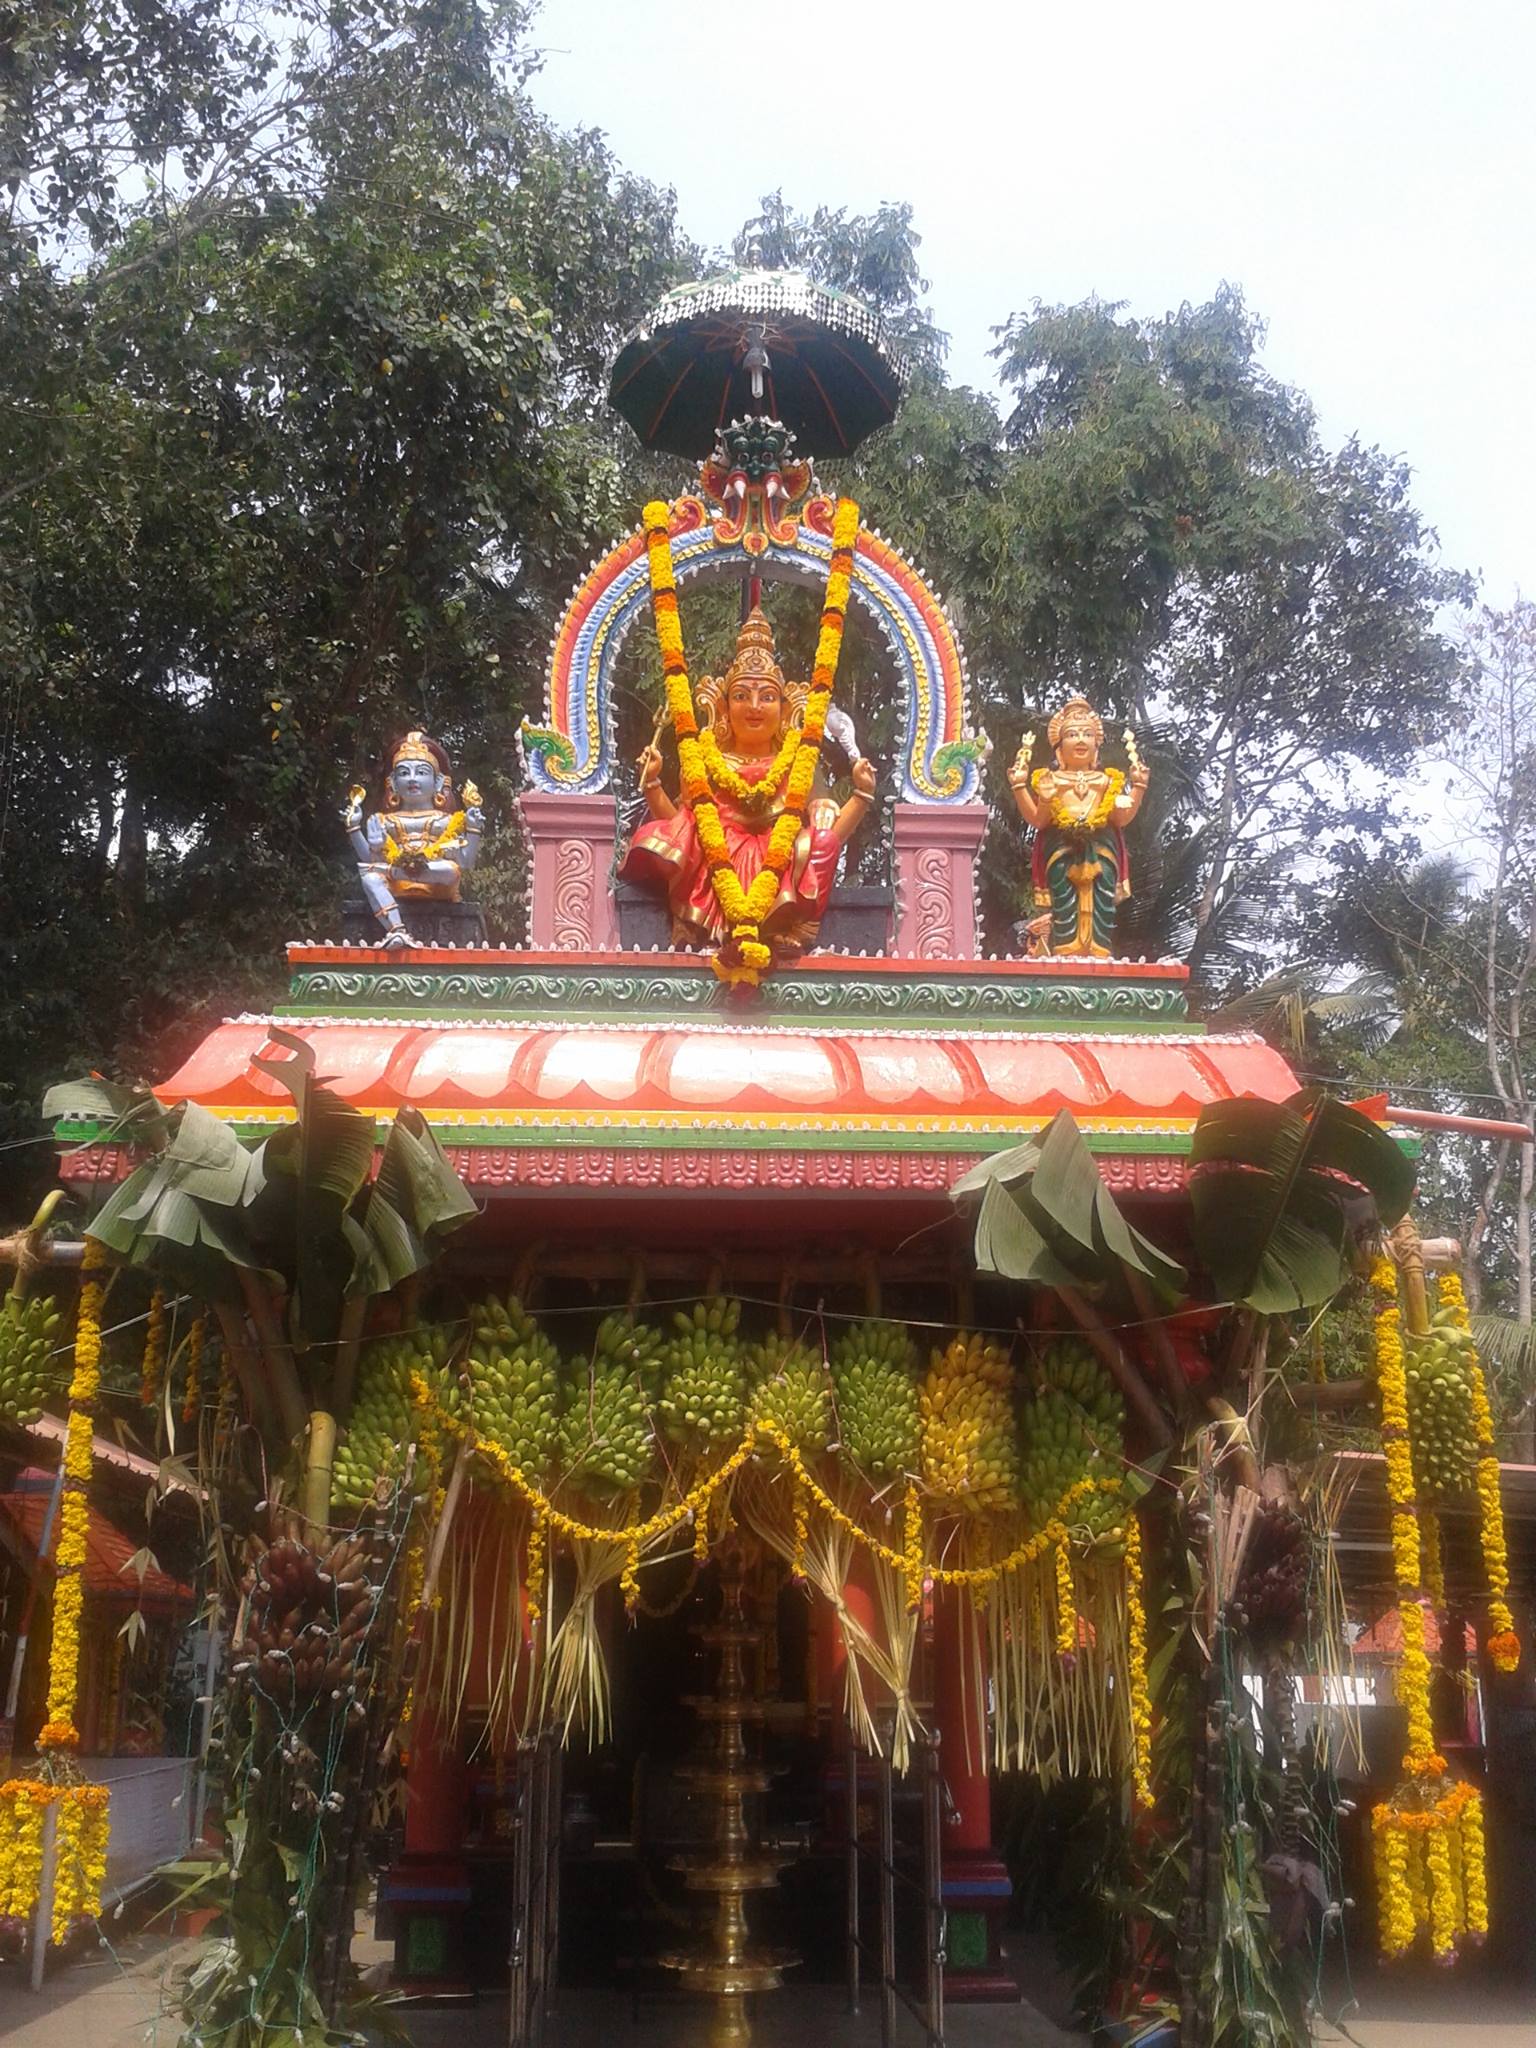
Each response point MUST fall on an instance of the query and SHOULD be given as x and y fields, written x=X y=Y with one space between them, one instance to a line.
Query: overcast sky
x=1365 y=171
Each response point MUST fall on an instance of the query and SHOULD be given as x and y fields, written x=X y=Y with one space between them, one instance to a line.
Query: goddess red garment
x=665 y=855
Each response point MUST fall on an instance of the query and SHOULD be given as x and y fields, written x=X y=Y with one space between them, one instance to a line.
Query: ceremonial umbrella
x=751 y=342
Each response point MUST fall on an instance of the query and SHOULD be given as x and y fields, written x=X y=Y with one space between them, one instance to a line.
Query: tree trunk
x=132 y=846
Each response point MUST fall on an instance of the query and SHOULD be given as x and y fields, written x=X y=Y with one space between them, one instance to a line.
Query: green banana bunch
x=29 y=1333
x=607 y=1442
x=969 y=1444
x=512 y=1384
x=385 y=1419
x=1073 y=1429
x=1441 y=1426
x=703 y=1399
x=791 y=1389
x=874 y=1370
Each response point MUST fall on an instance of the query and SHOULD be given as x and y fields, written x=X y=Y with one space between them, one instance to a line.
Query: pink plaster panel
x=934 y=849
x=571 y=842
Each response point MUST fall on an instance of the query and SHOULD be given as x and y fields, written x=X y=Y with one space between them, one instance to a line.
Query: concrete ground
x=120 y=1998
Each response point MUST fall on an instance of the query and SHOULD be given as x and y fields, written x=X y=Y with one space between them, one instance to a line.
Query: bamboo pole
x=319 y=1464
x=1137 y=1393
x=277 y=1355
x=1156 y=1326
x=26 y=1248
x=349 y=1338
x=243 y=1357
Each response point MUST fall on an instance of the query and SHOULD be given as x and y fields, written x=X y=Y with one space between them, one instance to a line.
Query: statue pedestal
x=571 y=907
x=430 y=924
x=934 y=856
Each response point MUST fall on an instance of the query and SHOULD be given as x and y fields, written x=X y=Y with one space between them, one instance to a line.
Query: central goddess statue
x=748 y=721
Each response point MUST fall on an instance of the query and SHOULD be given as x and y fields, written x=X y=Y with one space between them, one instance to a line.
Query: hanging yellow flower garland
x=1136 y=1662
x=83 y=1810
x=193 y=1393
x=152 y=1366
x=704 y=1508
x=728 y=780
x=744 y=956
x=1503 y=1643
x=59 y=1731
x=1428 y=1838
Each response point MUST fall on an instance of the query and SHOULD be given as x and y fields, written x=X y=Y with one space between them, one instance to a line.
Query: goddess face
x=755 y=708
x=414 y=784
x=1078 y=746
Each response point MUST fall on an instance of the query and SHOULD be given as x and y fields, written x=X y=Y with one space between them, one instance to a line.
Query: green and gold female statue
x=1079 y=811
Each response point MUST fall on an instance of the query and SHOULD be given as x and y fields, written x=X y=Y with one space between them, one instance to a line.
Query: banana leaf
x=181 y=1214
x=1045 y=1216
x=124 y=1115
x=415 y=1201
x=313 y=1170
x=1278 y=1191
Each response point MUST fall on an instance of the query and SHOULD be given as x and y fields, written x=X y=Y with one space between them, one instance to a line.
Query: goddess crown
x=416 y=746
x=1082 y=706
x=754 y=650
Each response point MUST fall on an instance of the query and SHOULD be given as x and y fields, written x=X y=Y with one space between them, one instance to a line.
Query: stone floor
x=119 y=1998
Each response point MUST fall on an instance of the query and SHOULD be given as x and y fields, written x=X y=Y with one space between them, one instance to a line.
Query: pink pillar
x=571 y=843
x=975 y=1881
x=935 y=848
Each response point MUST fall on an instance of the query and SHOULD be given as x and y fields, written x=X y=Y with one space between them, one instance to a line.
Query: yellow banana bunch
x=970 y=1457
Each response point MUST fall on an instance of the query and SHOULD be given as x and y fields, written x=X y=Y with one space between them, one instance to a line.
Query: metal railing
x=535 y=1890
x=915 y=1875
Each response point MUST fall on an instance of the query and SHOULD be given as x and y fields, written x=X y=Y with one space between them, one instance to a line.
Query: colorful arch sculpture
x=573 y=754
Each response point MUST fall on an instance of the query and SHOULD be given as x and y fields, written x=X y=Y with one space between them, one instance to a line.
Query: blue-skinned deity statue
x=424 y=840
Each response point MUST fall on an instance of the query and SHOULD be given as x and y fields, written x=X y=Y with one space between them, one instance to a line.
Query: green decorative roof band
x=719 y=1137
x=918 y=1000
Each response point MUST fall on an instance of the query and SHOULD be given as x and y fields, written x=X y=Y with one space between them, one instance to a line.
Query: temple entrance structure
x=766 y=1451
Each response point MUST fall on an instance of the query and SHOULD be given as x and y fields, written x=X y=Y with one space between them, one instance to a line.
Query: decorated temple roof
x=640 y=1070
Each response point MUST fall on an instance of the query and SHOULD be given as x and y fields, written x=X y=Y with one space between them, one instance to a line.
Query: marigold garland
x=1428 y=1838
x=152 y=1365
x=83 y=1809
x=744 y=956
x=536 y=1568
x=1066 y=1603
x=728 y=780
x=60 y=1732
x=451 y=837
x=1503 y=1643
x=80 y=1856
x=193 y=1394
x=1136 y=1663
x=24 y=1804
x=1065 y=820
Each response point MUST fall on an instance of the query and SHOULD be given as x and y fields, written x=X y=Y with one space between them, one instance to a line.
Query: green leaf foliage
x=1278 y=1191
x=1045 y=1216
